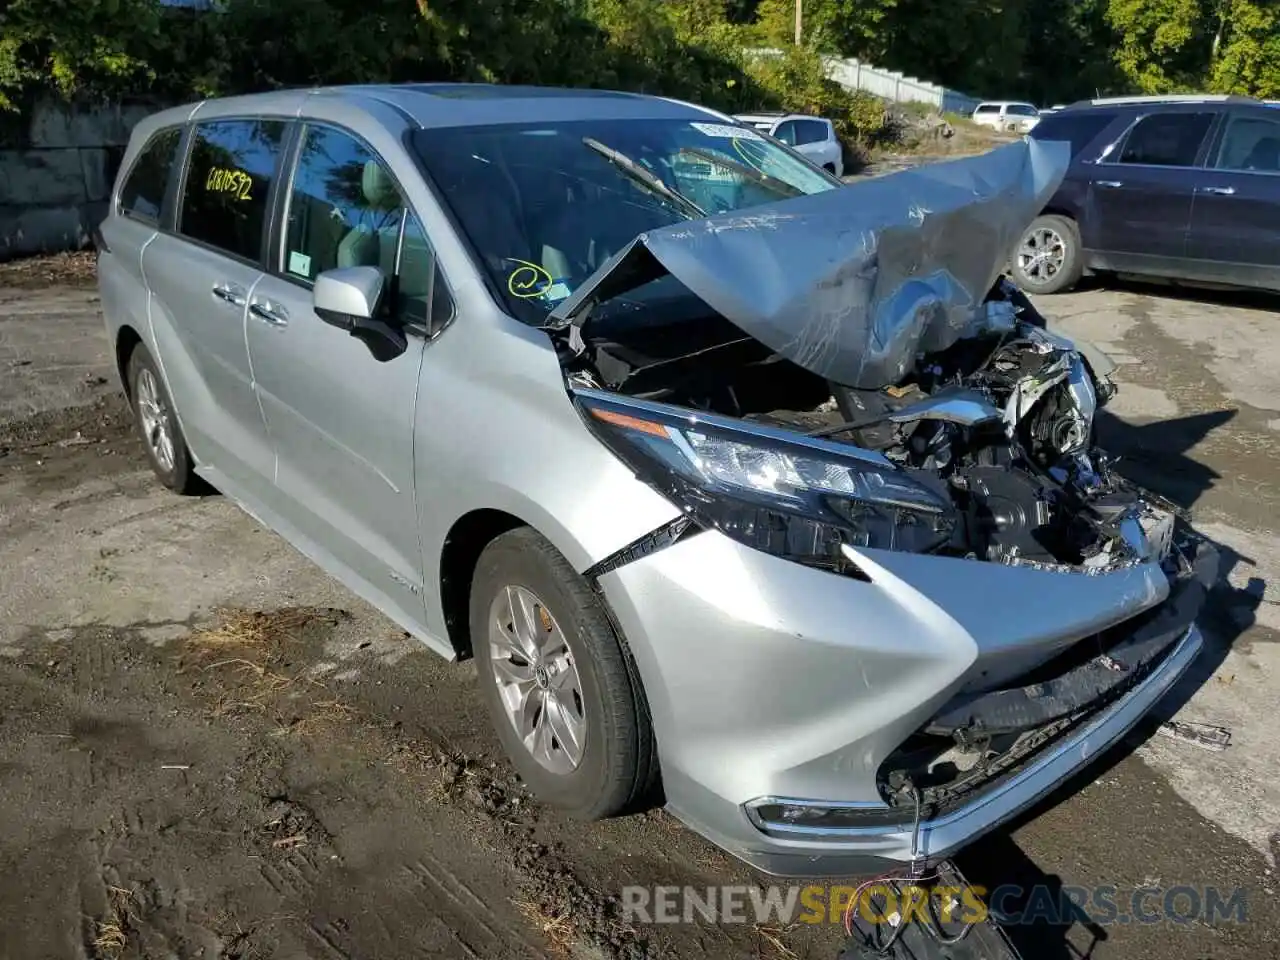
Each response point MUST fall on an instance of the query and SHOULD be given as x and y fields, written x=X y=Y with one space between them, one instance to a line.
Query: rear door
x=201 y=275
x=1235 y=220
x=343 y=421
x=1139 y=199
x=133 y=222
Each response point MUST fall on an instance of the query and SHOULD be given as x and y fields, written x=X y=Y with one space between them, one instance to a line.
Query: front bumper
x=767 y=679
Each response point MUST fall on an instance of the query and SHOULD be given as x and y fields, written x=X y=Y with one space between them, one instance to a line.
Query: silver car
x=751 y=493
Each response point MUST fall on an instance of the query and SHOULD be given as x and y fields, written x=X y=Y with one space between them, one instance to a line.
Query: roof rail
x=1170 y=98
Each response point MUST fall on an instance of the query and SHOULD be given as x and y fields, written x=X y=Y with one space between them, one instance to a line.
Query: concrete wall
x=57 y=165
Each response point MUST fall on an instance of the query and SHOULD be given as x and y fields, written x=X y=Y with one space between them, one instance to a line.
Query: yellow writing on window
x=236 y=183
x=528 y=280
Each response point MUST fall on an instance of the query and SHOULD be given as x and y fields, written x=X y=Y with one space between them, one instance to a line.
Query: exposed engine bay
x=849 y=376
x=1001 y=424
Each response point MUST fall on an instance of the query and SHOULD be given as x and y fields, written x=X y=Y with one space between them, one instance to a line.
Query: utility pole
x=799 y=21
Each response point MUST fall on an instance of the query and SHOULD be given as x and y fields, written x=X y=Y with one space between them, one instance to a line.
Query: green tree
x=1247 y=49
x=76 y=45
x=1162 y=45
x=974 y=45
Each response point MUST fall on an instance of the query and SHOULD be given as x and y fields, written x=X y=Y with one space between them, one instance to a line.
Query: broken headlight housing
x=773 y=490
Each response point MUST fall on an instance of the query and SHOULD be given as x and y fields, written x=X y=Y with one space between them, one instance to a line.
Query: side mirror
x=350 y=298
x=343 y=296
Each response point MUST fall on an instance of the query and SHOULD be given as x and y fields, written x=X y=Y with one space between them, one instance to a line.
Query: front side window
x=345 y=210
x=786 y=132
x=224 y=202
x=421 y=295
x=1251 y=144
x=1079 y=130
x=1167 y=139
x=142 y=195
x=810 y=131
x=544 y=205
x=1022 y=110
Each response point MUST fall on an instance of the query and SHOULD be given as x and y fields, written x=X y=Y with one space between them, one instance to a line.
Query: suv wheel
x=1048 y=257
x=561 y=689
x=158 y=425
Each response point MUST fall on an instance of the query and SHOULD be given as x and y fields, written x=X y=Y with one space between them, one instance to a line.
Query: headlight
x=770 y=489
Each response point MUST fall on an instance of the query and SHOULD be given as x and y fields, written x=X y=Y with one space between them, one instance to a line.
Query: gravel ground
x=210 y=749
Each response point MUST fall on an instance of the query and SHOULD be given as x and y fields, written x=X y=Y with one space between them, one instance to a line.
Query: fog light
x=782 y=815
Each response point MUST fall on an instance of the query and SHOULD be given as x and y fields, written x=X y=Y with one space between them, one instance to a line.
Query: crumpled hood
x=852 y=283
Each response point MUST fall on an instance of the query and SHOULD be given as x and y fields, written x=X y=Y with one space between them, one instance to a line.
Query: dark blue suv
x=1185 y=188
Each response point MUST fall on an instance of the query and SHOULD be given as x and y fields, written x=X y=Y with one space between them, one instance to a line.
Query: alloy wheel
x=154 y=415
x=1041 y=255
x=538 y=682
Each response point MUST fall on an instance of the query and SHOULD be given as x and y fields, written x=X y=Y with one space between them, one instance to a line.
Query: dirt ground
x=210 y=749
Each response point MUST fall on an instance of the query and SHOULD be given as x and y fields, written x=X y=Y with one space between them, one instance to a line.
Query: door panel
x=342 y=421
x=201 y=342
x=343 y=428
x=201 y=278
x=1139 y=204
x=1234 y=235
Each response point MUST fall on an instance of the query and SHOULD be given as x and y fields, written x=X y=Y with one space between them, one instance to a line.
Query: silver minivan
x=749 y=492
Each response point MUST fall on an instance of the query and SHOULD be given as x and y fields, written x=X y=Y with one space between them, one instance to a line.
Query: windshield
x=544 y=205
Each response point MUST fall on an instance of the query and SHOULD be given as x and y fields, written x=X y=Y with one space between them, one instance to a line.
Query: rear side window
x=1251 y=143
x=987 y=108
x=1079 y=130
x=233 y=163
x=1167 y=139
x=142 y=195
x=1022 y=110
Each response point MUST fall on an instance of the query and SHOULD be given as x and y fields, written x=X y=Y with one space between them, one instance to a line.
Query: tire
x=158 y=427
x=1048 y=258
x=616 y=769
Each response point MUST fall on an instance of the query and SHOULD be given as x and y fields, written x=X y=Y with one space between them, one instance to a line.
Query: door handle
x=1219 y=191
x=1110 y=184
x=269 y=313
x=230 y=292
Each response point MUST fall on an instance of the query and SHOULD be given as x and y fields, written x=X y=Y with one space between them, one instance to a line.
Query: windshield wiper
x=772 y=183
x=645 y=178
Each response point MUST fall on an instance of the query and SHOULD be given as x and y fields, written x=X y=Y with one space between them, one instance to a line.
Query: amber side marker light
x=630 y=422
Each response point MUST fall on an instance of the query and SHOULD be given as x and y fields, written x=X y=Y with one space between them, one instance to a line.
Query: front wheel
x=1048 y=258
x=559 y=684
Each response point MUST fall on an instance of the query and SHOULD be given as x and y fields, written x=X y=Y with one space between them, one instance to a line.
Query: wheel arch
x=127 y=341
x=1058 y=210
x=459 y=554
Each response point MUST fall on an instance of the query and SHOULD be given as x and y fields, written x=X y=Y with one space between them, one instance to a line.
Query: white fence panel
x=854 y=74
x=895 y=86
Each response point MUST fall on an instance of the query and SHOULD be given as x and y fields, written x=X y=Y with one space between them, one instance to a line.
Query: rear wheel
x=560 y=686
x=158 y=425
x=1048 y=258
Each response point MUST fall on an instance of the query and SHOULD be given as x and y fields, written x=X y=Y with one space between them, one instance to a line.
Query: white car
x=812 y=136
x=1013 y=116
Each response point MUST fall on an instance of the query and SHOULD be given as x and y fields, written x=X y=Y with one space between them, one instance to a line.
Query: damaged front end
x=852 y=373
